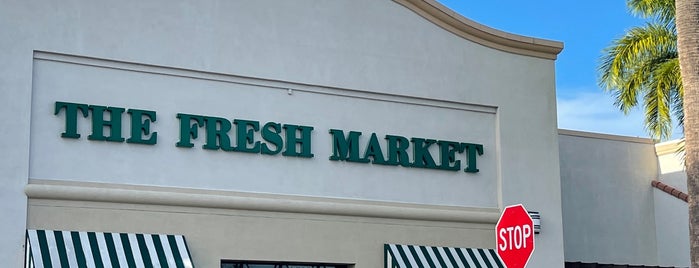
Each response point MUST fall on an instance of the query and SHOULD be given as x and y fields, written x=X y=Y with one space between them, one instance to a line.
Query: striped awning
x=48 y=248
x=407 y=256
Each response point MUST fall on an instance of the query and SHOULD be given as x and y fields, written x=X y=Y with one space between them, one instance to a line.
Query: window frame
x=230 y=263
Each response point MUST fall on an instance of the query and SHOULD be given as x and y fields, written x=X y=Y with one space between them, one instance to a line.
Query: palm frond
x=680 y=151
x=641 y=68
x=624 y=66
x=658 y=101
x=661 y=10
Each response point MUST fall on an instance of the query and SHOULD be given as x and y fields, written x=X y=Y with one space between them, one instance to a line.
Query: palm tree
x=659 y=63
x=687 y=15
x=643 y=65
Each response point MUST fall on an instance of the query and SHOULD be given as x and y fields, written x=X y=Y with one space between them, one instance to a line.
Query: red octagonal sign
x=514 y=234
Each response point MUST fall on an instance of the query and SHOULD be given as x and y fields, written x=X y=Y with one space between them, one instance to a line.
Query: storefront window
x=242 y=264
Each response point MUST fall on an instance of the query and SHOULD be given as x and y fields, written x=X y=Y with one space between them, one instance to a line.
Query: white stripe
x=421 y=256
x=434 y=258
x=478 y=256
x=36 y=250
x=409 y=254
x=468 y=262
x=168 y=251
x=53 y=248
x=477 y=260
x=389 y=261
x=85 y=243
x=27 y=249
x=151 y=250
x=400 y=260
x=490 y=257
x=496 y=256
x=445 y=257
x=459 y=263
x=136 y=251
x=183 y=251
x=104 y=252
x=70 y=249
x=119 y=250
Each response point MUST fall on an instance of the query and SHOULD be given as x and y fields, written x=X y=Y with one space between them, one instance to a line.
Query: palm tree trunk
x=687 y=21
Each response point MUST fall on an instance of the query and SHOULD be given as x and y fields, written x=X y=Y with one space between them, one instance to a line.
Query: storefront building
x=624 y=201
x=258 y=133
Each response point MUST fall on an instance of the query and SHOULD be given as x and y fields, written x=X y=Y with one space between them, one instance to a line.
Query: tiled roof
x=670 y=190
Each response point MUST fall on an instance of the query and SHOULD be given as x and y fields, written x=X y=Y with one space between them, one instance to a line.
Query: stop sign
x=514 y=234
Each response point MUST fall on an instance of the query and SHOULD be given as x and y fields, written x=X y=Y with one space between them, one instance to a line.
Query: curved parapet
x=481 y=34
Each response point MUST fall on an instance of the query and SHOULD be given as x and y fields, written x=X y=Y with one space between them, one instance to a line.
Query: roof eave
x=481 y=34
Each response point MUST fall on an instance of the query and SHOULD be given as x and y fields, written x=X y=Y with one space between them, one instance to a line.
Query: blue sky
x=585 y=28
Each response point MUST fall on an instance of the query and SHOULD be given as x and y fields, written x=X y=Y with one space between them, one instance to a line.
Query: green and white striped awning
x=407 y=256
x=48 y=248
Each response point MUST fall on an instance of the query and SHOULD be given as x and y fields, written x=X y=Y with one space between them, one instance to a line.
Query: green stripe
x=61 y=246
x=415 y=256
x=451 y=258
x=427 y=257
x=394 y=261
x=27 y=249
x=385 y=256
x=485 y=258
x=488 y=257
x=79 y=254
x=144 y=250
x=175 y=251
x=127 y=250
x=44 y=247
x=496 y=258
x=30 y=261
x=95 y=248
x=439 y=257
x=186 y=249
x=403 y=256
x=160 y=251
x=462 y=257
x=111 y=249
x=473 y=257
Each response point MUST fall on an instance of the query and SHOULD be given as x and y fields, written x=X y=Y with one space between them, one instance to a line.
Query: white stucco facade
x=671 y=214
x=611 y=213
x=405 y=68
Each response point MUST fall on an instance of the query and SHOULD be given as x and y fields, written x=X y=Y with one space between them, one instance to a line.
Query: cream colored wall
x=608 y=201
x=376 y=48
x=331 y=230
x=671 y=164
x=611 y=213
x=169 y=91
x=671 y=214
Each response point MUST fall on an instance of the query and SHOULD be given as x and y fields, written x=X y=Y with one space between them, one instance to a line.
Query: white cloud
x=595 y=112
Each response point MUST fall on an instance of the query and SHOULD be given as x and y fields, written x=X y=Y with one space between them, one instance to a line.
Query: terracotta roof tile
x=670 y=190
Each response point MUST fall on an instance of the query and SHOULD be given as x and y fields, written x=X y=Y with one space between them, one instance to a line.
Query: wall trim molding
x=669 y=147
x=601 y=136
x=170 y=196
x=262 y=83
x=481 y=34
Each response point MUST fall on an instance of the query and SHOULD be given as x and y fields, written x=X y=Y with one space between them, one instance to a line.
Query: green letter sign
x=270 y=138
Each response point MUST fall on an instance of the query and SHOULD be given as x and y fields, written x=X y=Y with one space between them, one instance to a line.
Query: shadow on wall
x=676 y=179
